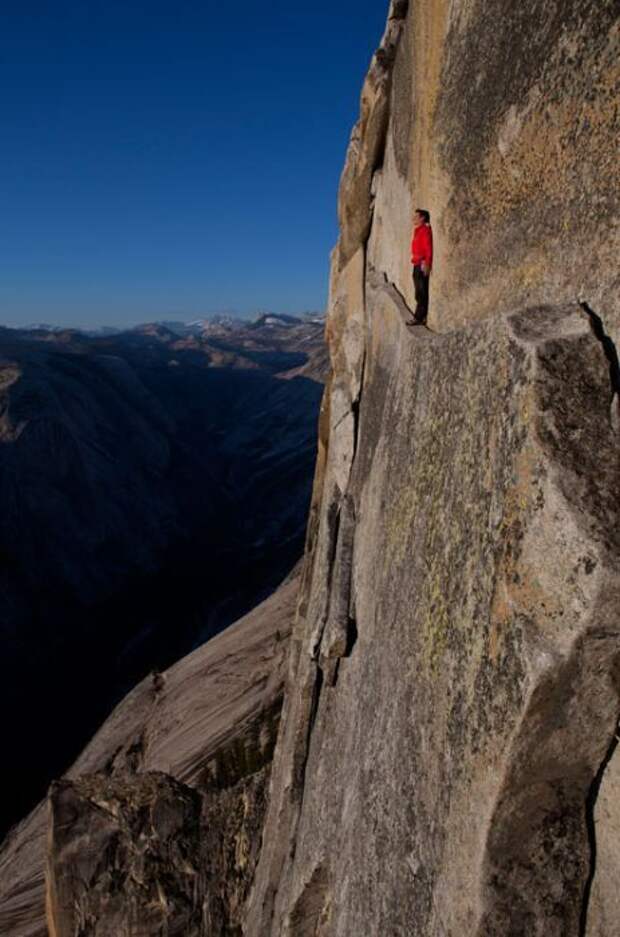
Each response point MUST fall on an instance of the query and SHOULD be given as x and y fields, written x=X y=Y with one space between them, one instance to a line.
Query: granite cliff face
x=446 y=759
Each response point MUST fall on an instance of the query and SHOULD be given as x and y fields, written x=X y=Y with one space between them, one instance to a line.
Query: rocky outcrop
x=141 y=854
x=446 y=759
x=124 y=857
x=202 y=732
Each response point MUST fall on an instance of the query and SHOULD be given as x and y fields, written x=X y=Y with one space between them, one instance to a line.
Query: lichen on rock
x=441 y=769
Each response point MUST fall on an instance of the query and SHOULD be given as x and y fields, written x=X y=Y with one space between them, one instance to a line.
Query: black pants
x=420 y=282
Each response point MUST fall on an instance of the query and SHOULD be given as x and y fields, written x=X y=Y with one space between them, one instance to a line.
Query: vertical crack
x=333 y=528
x=609 y=349
x=305 y=754
x=314 y=708
x=336 y=637
x=591 y=800
x=355 y=407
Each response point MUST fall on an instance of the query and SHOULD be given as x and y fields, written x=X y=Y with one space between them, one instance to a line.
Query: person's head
x=421 y=216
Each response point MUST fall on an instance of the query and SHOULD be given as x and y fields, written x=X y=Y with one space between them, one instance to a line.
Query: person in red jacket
x=422 y=260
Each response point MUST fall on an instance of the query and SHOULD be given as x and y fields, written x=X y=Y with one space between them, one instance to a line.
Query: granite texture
x=445 y=763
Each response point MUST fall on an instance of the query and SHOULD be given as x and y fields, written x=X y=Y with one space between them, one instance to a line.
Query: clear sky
x=168 y=159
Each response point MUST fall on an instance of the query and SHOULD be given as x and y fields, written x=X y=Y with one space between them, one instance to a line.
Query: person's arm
x=427 y=262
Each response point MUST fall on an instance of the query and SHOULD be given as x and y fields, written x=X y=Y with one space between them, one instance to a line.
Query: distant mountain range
x=154 y=485
x=228 y=320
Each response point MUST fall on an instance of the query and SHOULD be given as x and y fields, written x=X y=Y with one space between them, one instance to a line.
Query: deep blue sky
x=167 y=159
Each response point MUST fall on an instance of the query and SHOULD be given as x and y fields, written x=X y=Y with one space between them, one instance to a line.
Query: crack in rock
x=611 y=353
x=591 y=800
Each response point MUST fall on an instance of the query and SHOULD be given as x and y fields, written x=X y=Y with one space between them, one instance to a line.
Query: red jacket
x=422 y=245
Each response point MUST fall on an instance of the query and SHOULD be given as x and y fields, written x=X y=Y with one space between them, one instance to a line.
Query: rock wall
x=502 y=122
x=445 y=762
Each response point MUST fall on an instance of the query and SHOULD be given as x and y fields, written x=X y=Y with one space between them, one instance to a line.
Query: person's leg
x=417 y=274
x=420 y=282
x=424 y=294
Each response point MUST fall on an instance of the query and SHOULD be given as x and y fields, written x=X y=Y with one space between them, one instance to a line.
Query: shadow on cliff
x=144 y=507
x=608 y=346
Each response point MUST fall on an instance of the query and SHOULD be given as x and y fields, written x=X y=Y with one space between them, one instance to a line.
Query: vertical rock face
x=445 y=762
x=502 y=122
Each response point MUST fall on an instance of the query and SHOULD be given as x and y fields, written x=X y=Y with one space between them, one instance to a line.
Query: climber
x=422 y=260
